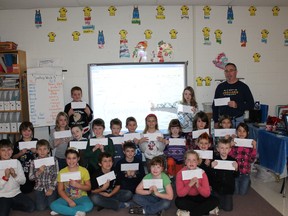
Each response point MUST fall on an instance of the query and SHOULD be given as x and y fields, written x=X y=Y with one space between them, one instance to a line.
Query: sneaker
x=181 y=212
x=215 y=211
x=53 y=213
x=136 y=210
x=80 y=213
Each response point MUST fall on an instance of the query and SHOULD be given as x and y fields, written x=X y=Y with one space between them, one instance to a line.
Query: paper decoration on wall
x=101 y=40
x=124 y=51
x=184 y=10
x=230 y=15
x=160 y=12
x=264 y=36
x=285 y=37
x=218 y=33
x=220 y=61
x=62 y=16
x=112 y=10
x=199 y=81
x=165 y=51
x=38 y=19
x=208 y=80
x=275 y=10
x=87 y=28
x=148 y=34
x=206 y=34
x=243 y=38
x=139 y=52
x=76 y=35
x=173 y=33
x=136 y=16
x=206 y=10
x=252 y=10
x=51 y=36
x=256 y=57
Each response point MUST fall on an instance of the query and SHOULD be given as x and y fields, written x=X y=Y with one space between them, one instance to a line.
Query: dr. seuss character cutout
x=165 y=51
x=252 y=10
x=264 y=35
x=139 y=52
x=220 y=61
x=38 y=19
x=206 y=34
x=218 y=33
x=256 y=57
x=124 y=51
x=112 y=10
x=275 y=10
x=199 y=81
x=173 y=33
x=101 y=40
x=208 y=80
x=285 y=37
x=136 y=16
x=243 y=38
x=62 y=14
x=206 y=10
x=76 y=35
x=51 y=36
x=87 y=28
x=230 y=15
x=148 y=34
x=160 y=12
x=184 y=9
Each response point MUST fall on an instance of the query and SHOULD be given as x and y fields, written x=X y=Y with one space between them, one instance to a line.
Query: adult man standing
x=241 y=98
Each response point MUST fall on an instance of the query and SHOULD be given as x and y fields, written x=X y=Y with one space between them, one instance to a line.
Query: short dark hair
x=72 y=150
x=243 y=125
x=224 y=141
x=115 y=121
x=98 y=122
x=26 y=125
x=42 y=142
x=75 y=88
x=6 y=143
x=104 y=155
x=174 y=123
x=158 y=160
x=232 y=64
x=129 y=145
x=129 y=119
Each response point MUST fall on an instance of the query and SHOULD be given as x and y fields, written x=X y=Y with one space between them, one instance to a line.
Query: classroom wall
x=267 y=78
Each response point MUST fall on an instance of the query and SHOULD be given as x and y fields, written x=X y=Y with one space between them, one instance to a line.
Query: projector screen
x=136 y=89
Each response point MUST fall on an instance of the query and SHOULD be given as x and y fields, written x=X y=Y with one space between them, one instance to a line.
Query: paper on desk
x=243 y=142
x=65 y=177
x=224 y=132
x=79 y=144
x=62 y=134
x=78 y=105
x=48 y=161
x=131 y=136
x=205 y=154
x=185 y=109
x=27 y=145
x=95 y=141
x=147 y=183
x=197 y=133
x=177 y=141
x=104 y=178
x=224 y=165
x=4 y=164
x=117 y=140
x=153 y=136
x=129 y=166
x=189 y=174
x=221 y=101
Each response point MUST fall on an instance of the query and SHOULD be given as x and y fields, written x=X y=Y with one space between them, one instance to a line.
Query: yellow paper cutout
x=208 y=80
x=264 y=35
x=112 y=10
x=184 y=10
x=123 y=33
x=218 y=33
x=160 y=12
x=173 y=33
x=51 y=36
x=62 y=12
x=76 y=35
x=206 y=10
x=199 y=81
x=206 y=34
x=256 y=57
x=285 y=37
x=87 y=11
x=275 y=10
x=148 y=34
x=252 y=10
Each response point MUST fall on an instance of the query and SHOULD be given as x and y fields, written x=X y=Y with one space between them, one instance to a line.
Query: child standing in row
x=11 y=179
x=45 y=177
x=25 y=156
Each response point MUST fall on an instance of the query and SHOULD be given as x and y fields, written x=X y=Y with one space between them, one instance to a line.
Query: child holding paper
x=25 y=155
x=151 y=197
x=73 y=184
x=223 y=179
x=59 y=145
x=79 y=115
x=45 y=177
x=244 y=156
x=129 y=178
x=175 y=153
x=77 y=134
x=11 y=179
x=193 y=189
x=106 y=192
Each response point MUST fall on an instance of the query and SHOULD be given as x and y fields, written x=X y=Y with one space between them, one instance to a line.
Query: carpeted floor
x=251 y=204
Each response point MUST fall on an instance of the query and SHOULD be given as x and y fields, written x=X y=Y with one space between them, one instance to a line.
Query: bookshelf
x=13 y=93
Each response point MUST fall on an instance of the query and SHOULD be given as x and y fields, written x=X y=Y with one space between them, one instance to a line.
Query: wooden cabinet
x=13 y=93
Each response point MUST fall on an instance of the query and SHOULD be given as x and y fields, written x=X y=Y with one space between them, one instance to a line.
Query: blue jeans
x=151 y=204
x=61 y=206
x=112 y=202
x=242 y=184
x=42 y=201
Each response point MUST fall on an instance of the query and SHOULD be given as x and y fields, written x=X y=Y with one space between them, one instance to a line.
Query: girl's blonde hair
x=193 y=153
x=146 y=126
x=193 y=98
x=57 y=126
